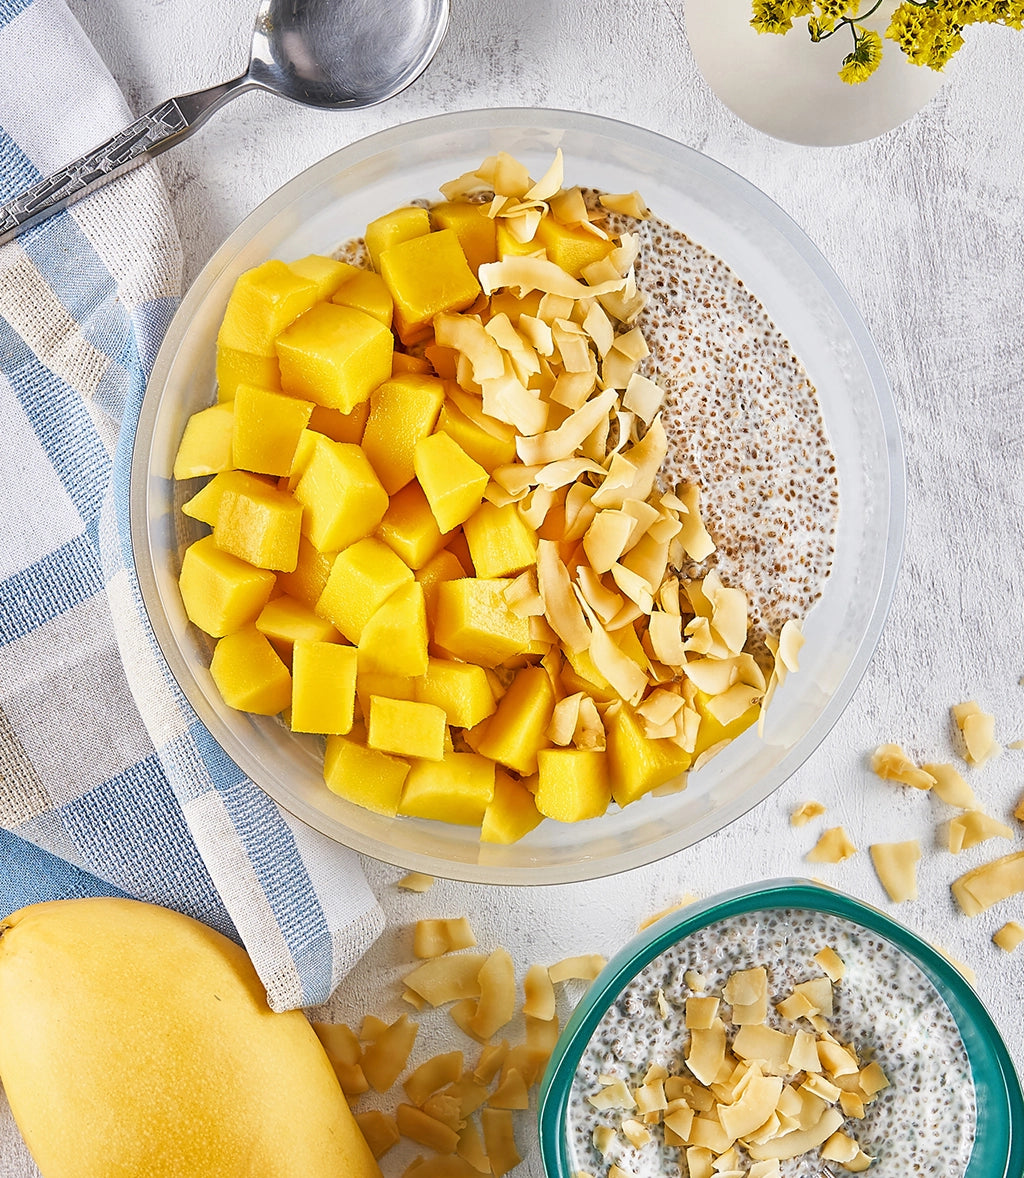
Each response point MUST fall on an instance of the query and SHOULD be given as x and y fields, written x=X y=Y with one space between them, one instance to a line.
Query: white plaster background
x=924 y=227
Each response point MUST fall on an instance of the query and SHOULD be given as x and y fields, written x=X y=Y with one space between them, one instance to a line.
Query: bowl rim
x=660 y=146
x=1002 y=1090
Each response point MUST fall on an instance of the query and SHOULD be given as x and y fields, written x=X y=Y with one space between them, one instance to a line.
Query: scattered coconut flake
x=415 y=881
x=896 y=867
x=833 y=847
x=973 y=827
x=950 y=786
x=803 y=813
x=891 y=763
x=978 y=731
x=1009 y=936
x=977 y=890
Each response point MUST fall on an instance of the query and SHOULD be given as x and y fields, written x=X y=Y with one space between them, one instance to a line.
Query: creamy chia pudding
x=921 y=1124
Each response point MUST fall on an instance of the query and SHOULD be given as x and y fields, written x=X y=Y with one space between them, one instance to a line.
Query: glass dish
x=333 y=201
x=998 y=1150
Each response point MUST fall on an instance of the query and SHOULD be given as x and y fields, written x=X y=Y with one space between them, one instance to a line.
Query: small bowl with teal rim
x=952 y=1104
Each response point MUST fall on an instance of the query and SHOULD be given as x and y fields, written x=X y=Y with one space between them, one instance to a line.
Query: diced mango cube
x=220 y=592
x=286 y=620
x=512 y=812
x=410 y=529
x=261 y=526
x=206 y=443
x=389 y=230
x=262 y=303
x=457 y=789
x=485 y=448
x=427 y=275
x=267 y=429
x=365 y=776
x=205 y=503
x=473 y=621
x=370 y=683
x=249 y=675
x=394 y=640
x=517 y=731
x=326 y=273
x=452 y=482
x=472 y=226
x=509 y=246
x=712 y=731
x=334 y=356
x=309 y=577
x=403 y=411
x=235 y=367
x=406 y=727
x=342 y=496
x=638 y=764
x=340 y=427
x=500 y=542
x=582 y=675
x=366 y=291
x=323 y=687
x=572 y=784
x=362 y=578
x=570 y=246
x=462 y=689
x=404 y=362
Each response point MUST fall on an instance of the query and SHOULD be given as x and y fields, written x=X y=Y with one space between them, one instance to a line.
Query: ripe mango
x=136 y=1041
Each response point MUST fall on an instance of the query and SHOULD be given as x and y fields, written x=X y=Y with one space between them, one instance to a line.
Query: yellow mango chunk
x=512 y=812
x=637 y=764
x=220 y=592
x=327 y=274
x=509 y=246
x=472 y=226
x=262 y=303
x=261 y=526
x=572 y=784
x=404 y=362
x=452 y=482
x=323 y=687
x=473 y=621
x=457 y=789
x=571 y=247
x=518 y=729
x=427 y=275
x=249 y=674
x=342 y=496
x=365 y=776
x=445 y=566
x=485 y=448
x=370 y=683
x=394 y=640
x=338 y=426
x=582 y=675
x=406 y=727
x=712 y=732
x=267 y=427
x=361 y=579
x=366 y=291
x=309 y=577
x=335 y=356
x=410 y=529
x=206 y=443
x=500 y=542
x=461 y=689
x=285 y=620
x=235 y=367
x=205 y=503
x=389 y=230
x=403 y=411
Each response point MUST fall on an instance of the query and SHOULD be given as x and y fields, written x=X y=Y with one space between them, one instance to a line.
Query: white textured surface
x=923 y=226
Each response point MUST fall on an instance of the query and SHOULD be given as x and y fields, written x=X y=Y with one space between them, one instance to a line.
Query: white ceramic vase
x=788 y=86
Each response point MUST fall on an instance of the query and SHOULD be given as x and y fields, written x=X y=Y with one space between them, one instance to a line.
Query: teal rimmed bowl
x=998 y=1149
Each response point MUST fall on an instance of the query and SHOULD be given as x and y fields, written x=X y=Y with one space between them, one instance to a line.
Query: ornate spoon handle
x=151 y=133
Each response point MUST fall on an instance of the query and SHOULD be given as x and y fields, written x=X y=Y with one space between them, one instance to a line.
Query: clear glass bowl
x=998 y=1150
x=333 y=201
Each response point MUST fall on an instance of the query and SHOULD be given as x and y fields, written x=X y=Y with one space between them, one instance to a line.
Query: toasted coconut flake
x=978 y=731
x=583 y=968
x=951 y=787
x=448 y=978
x=733 y=703
x=695 y=538
x=706 y=1052
x=635 y=587
x=564 y=718
x=666 y=636
x=599 y=327
x=629 y=204
x=803 y=813
x=636 y=1133
x=979 y=889
x=467 y=335
x=569 y=206
x=973 y=827
x=613 y=1096
x=604 y=1139
x=561 y=606
x=539 y=994
x=643 y=397
x=1009 y=936
x=833 y=847
x=433 y=1075
x=604 y=602
x=831 y=963
x=561 y=443
x=891 y=763
x=431 y=938
x=416 y=881
x=524 y=274
x=497 y=988
x=896 y=867
x=701 y=1012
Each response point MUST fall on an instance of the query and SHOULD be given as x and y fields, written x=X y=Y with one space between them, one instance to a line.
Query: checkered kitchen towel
x=95 y=798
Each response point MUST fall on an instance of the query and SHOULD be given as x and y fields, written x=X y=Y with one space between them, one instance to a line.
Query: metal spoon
x=336 y=54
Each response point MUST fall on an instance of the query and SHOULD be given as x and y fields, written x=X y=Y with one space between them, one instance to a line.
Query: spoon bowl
x=332 y=54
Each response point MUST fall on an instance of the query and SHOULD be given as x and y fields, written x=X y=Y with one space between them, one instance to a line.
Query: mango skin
x=136 y=1041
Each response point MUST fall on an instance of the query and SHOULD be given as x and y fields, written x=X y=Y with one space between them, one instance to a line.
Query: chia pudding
x=921 y=1126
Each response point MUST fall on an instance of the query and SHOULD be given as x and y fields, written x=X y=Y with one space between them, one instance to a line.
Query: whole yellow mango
x=138 y=1043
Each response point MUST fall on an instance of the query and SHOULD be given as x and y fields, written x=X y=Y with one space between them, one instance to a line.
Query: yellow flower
x=859 y=65
x=771 y=16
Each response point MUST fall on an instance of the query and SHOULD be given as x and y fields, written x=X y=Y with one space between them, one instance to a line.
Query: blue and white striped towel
x=95 y=797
